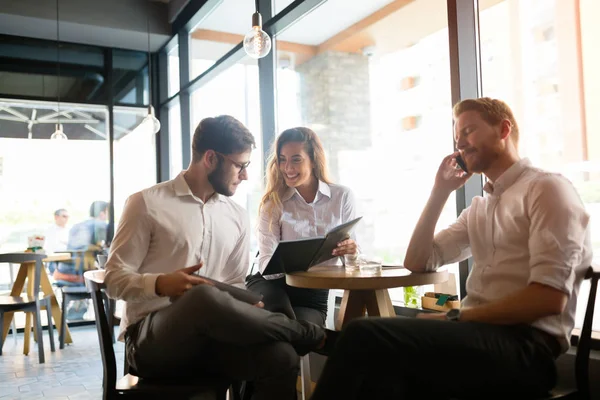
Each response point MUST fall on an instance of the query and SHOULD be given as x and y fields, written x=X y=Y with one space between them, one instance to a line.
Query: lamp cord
x=149 y=62
x=58 y=62
x=256 y=5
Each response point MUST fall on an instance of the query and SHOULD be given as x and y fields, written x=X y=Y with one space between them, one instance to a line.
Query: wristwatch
x=453 y=315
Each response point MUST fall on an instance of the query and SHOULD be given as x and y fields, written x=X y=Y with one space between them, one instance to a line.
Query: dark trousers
x=208 y=332
x=409 y=358
x=296 y=303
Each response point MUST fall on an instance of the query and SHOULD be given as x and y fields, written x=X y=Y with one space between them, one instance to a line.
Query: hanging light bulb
x=256 y=42
x=150 y=123
x=58 y=133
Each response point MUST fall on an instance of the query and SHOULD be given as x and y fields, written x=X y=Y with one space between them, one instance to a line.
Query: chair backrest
x=94 y=281
x=582 y=359
x=19 y=258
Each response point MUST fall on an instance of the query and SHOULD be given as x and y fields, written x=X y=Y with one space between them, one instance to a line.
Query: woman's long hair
x=276 y=185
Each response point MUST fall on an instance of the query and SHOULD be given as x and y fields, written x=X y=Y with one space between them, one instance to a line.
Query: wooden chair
x=28 y=303
x=130 y=385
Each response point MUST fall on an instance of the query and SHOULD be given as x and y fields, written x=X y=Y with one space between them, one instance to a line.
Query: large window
x=39 y=176
x=379 y=98
x=218 y=33
x=173 y=70
x=235 y=92
x=546 y=70
x=175 y=149
x=132 y=174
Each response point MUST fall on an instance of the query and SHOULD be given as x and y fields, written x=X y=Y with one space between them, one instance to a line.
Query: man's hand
x=177 y=283
x=450 y=176
x=438 y=316
x=347 y=246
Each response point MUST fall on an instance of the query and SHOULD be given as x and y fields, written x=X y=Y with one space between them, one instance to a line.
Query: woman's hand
x=347 y=246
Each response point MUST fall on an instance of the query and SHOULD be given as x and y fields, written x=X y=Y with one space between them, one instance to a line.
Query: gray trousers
x=208 y=332
x=410 y=358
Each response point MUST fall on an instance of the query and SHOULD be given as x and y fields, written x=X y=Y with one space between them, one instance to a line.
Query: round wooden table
x=363 y=293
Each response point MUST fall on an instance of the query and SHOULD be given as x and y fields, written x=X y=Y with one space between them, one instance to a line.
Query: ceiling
x=121 y=24
x=234 y=16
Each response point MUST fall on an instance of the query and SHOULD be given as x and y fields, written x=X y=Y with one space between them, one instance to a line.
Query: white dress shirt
x=56 y=238
x=333 y=205
x=165 y=228
x=532 y=227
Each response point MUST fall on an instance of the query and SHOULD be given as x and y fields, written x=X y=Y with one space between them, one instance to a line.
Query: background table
x=27 y=270
x=364 y=293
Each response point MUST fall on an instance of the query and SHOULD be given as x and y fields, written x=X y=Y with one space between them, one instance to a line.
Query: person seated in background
x=300 y=202
x=86 y=239
x=57 y=235
x=174 y=323
x=530 y=243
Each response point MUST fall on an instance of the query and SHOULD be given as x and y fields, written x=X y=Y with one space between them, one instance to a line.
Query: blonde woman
x=300 y=202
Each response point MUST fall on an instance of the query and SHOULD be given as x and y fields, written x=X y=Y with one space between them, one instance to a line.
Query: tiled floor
x=72 y=373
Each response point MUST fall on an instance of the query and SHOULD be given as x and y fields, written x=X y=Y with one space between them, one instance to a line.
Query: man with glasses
x=57 y=235
x=169 y=236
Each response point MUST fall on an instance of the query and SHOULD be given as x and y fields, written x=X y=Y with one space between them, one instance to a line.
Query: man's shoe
x=330 y=341
x=312 y=338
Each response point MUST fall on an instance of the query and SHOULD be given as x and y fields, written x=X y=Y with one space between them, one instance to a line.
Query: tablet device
x=239 y=294
x=301 y=254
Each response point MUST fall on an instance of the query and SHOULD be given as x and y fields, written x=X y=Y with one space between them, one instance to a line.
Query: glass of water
x=370 y=265
x=351 y=262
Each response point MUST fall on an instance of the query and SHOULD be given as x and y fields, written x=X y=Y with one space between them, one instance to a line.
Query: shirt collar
x=322 y=190
x=507 y=178
x=181 y=188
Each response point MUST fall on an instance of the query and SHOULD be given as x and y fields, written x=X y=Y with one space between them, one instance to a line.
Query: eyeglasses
x=240 y=166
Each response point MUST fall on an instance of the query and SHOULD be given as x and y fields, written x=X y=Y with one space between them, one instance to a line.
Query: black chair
x=73 y=293
x=584 y=345
x=582 y=358
x=28 y=303
x=130 y=385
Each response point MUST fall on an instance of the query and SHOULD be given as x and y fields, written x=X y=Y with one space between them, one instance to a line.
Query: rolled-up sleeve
x=451 y=245
x=557 y=232
x=269 y=234
x=127 y=253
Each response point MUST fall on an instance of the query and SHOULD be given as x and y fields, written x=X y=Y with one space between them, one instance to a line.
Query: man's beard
x=218 y=181
x=483 y=160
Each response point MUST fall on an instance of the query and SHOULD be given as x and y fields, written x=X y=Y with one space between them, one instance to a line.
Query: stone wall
x=335 y=102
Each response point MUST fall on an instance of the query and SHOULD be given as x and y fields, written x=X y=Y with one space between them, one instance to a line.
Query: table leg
x=16 y=290
x=56 y=311
x=353 y=306
x=27 y=333
x=30 y=292
x=379 y=304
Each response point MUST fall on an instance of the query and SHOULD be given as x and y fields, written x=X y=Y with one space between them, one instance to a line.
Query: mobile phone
x=461 y=163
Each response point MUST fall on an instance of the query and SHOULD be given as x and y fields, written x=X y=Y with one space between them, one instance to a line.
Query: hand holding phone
x=450 y=176
x=461 y=163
